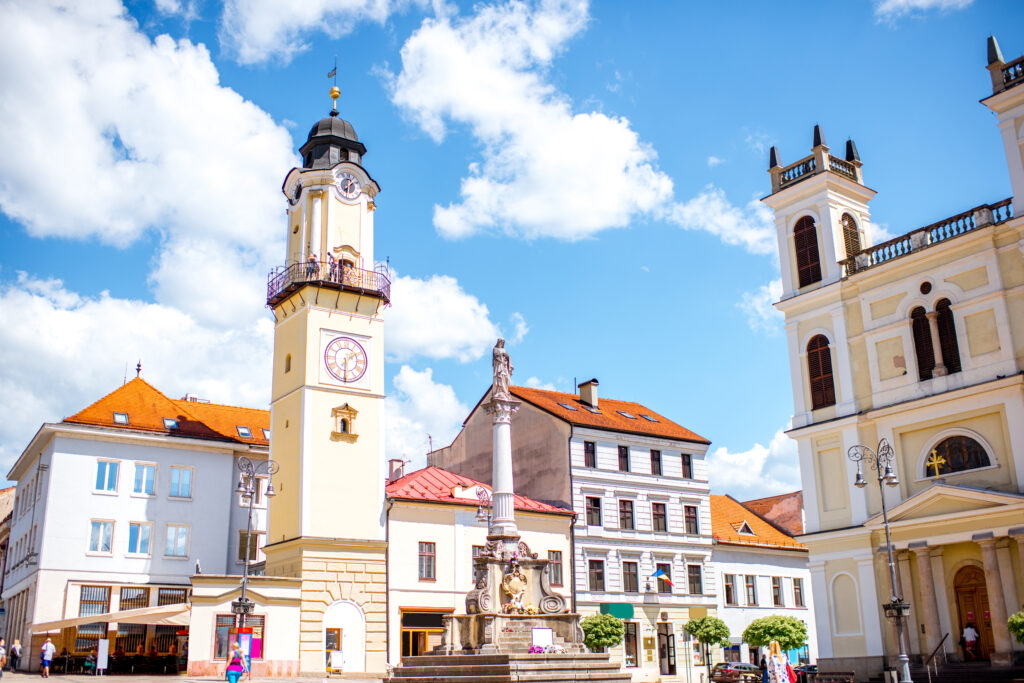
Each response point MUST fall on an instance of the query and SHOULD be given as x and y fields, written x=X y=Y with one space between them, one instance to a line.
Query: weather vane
x=335 y=91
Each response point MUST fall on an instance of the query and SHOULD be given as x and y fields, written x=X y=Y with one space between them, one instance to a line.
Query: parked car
x=729 y=672
x=804 y=672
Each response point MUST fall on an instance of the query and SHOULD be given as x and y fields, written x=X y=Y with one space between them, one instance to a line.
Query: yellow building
x=918 y=340
x=326 y=525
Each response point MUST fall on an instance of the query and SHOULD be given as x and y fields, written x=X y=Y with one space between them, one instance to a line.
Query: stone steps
x=509 y=668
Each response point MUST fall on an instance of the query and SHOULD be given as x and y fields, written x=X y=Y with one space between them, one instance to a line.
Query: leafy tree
x=789 y=631
x=709 y=631
x=1016 y=625
x=601 y=631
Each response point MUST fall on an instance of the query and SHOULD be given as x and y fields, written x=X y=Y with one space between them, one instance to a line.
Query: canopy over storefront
x=165 y=615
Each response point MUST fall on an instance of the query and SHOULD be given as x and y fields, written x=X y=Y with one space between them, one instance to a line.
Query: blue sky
x=581 y=178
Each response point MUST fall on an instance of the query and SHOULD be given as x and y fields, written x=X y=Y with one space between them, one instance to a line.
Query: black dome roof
x=331 y=140
x=333 y=125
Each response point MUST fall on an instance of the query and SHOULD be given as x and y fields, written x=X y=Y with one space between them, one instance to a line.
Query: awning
x=165 y=615
x=622 y=610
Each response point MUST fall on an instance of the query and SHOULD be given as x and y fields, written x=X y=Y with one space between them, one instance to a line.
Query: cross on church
x=935 y=461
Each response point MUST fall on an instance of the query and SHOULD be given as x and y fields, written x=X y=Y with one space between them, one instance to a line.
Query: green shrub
x=601 y=631
x=789 y=631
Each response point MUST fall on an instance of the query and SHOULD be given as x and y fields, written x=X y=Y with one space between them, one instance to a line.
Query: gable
x=941 y=500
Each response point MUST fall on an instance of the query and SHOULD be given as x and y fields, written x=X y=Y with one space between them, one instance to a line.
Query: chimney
x=588 y=392
x=396 y=469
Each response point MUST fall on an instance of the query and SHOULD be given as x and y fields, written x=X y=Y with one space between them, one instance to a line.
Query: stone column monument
x=501 y=406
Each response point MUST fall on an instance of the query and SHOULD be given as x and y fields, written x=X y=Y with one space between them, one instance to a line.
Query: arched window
x=922 y=343
x=851 y=236
x=947 y=337
x=808 y=266
x=960 y=453
x=819 y=370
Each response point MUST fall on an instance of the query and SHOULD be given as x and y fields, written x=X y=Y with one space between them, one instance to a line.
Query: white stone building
x=118 y=505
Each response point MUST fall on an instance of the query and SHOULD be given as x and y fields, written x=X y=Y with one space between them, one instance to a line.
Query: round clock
x=345 y=359
x=348 y=185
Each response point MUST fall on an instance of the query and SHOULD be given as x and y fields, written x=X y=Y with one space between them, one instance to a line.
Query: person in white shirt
x=970 y=638
x=46 y=654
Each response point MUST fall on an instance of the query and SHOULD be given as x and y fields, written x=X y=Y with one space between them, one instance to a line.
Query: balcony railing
x=797 y=171
x=284 y=280
x=1013 y=73
x=922 y=238
x=842 y=167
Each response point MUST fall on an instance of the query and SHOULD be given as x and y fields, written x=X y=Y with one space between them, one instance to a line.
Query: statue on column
x=502 y=371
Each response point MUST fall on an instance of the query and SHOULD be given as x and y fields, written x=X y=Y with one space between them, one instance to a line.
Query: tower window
x=922 y=343
x=957 y=454
x=808 y=265
x=288 y=363
x=947 y=336
x=819 y=371
x=851 y=236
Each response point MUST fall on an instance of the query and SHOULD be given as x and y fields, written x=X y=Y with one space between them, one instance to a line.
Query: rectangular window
x=244 y=432
x=145 y=479
x=687 y=466
x=630 y=644
x=751 y=585
x=555 y=567
x=220 y=645
x=93 y=601
x=626 y=514
x=659 y=517
x=427 y=561
x=101 y=537
x=181 y=482
x=589 y=454
x=730 y=589
x=777 y=591
x=138 y=538
x=130 y=637
x=693 y=573
x=595 y=574
x=106 y=475
x=663 y=585
x=165 y=636
x=690 y=519
x=134 y=597
x=177 y=541
x=593 y=511
x=656 y=462
x=630 y=577
x=798 y=592
x=171 y=596
x=624 y=458
x=253 y=542
x=479 y=571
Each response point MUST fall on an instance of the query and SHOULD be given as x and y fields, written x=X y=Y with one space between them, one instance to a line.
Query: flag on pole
x=660 y=574
x=332 y=73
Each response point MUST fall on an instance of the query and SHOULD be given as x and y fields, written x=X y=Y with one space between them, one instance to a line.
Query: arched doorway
x=972 y=605
x=344 y=637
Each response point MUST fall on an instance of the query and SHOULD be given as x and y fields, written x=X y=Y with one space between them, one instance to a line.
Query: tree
x=601 y=631
x=789 y=631
x=1016 y=625
x=709 y=631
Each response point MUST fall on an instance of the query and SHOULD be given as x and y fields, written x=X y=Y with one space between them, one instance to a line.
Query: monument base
x=511 y=633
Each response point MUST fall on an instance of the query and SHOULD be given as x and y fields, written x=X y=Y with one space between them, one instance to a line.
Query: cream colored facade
x=958 y=538
x=326 y=525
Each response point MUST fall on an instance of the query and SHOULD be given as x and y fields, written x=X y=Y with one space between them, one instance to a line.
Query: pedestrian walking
x=969 y=641
x=779 y=669
x=3 y=656
x=46 y=653
x=15 y=654
x=236 y=664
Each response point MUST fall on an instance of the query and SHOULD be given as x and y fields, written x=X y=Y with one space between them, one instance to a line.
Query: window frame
x=664 y=587
x=750 y=589
x=589 y=509
x=820 y=380
x=630 y=576
x=695 y=576
x=101 y=521
x=135 y=479
x=255 y=555
x=630 y=645
x=778 y=599
x=688 y=518
x=807 y=255
x=798 y=592
x=686 y=461
x=590 y=454
x=729 y=585
x=949 y=346
x=627 y=514
x=656 y=463
x=191 y=482
x=426 y=566
x=924 y=350
x=851 y=234
x=555 y=578
x=149 y=540
x=595 y=569
x=107 y=462
x=188 y=540
x=655 y=516
x=624 y=458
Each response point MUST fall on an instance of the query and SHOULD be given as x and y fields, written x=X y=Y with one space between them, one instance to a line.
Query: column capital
x=919 y=548
x=985 y=539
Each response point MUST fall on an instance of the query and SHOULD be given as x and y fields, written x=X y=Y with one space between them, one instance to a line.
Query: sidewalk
x=22 y=677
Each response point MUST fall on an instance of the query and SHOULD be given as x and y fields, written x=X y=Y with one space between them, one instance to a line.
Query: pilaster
x=911 y=633
x=819 y=589
x=942 y=599
x=925 y=597
x=996 y=600
x=870 y=607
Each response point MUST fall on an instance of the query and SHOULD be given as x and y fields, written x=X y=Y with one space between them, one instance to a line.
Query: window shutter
x=851 y=236
x=947 y=337
x=805 y=238
x=819 y=371
x=922 y=343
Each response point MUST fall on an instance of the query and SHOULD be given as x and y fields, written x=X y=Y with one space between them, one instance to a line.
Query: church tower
x=326 y=524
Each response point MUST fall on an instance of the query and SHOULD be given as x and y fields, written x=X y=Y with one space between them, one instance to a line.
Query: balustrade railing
x=842 y=167
x=795 y=172
x=1013 y=72
x=921 y=238
x=283 y=280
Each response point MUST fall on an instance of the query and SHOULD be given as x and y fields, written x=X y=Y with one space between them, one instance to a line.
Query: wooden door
x=972 y=606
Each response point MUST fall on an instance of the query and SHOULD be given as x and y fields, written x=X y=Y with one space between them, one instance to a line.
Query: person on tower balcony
x=333 y=267
x=312 y=267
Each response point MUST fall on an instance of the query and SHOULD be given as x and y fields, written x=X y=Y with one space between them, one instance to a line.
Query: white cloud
x=758 y=472
x=436 y=318
x=70 y=350
x=715 y=161
x=538 y=383
x=545 y=171
x=519 y=328
x=752 y=227
x=880 y=233
x=887 y=10
x=188 y=11
x=257 y=31
x=418 y=410
x=757 y=142
x=762 y=316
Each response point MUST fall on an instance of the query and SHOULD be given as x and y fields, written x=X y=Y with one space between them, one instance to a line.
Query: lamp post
x=881 y=460
x=248 y=489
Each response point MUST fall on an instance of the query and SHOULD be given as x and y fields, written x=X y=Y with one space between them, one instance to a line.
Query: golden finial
x=335 y=94
x=935 y=461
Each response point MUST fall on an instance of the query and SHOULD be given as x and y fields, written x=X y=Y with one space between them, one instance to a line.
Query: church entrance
x=972 y=606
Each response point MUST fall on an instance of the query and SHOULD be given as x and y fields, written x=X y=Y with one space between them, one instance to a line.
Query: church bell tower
x=326 y=524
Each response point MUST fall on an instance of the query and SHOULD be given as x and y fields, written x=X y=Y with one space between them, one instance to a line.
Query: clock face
x=345 y=359
x=348 y=185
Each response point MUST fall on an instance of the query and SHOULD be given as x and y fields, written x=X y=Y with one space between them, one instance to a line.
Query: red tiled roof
x=784 y=511
x=727 y=518
x=146 y=409
x=609 y=418
x=433 y=484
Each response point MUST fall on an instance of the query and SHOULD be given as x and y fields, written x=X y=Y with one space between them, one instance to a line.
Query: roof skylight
x=648 y=418
x=121 y=418
x=594 y=410
x=745 y=529
x=170 y=423
x=623 y=413
x=567 y=406
x=266 y=434
x=243 y=432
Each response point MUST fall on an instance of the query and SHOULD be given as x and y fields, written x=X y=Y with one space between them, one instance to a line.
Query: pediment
x=942 y=500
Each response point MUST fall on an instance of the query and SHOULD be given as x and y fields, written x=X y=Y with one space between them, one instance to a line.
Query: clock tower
x=326 y=524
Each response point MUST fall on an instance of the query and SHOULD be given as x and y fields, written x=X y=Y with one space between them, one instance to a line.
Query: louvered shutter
x=805 y=239
x=922 y=343
x=947 y=337
x=819 y=370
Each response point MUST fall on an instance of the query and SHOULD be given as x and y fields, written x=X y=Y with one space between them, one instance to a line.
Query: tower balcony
x=284 y=280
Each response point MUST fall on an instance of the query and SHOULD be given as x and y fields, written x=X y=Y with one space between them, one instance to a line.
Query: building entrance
x=972 y=606
x=666 y=650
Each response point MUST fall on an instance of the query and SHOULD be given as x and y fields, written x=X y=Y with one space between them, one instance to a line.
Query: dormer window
x=244 y=432
x=745 y=530
x=121 y=418
x=170 y=423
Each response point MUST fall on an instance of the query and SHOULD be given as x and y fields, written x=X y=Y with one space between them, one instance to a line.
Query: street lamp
x=248 y=488
x=485 y=510
x=881 y=460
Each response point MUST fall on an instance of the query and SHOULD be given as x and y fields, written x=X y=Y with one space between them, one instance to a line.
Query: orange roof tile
x=727 y=518
x=433 y=484
x=146 y=409
x=784 y=511
x=609 y=417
